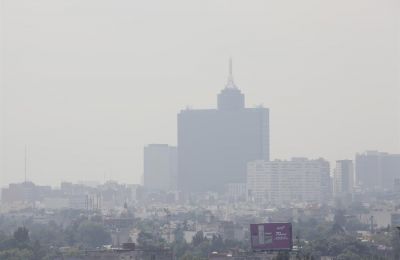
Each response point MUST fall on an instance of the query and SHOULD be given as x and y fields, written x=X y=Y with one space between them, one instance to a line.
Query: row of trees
x=315 y=237
x=200 y=247
x=42 y=241
x=340 y=239
x=20 y=246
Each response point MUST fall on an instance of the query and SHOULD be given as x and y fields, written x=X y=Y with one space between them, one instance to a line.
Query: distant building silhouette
x=24 y=192
x=160 y=167
x=377 y=170
x=343 y=178
x=214 y=145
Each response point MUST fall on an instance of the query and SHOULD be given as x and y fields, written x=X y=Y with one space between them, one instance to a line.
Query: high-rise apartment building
x=214 y=145
x=377 y=170
x=343 y=178
x=297 y=180
x=160 y=167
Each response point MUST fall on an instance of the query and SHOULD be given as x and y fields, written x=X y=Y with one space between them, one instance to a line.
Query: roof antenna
x=230 y=84
x=26 y=159
x=230 y=79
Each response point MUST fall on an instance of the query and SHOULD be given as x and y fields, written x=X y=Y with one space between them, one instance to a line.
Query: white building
x=279 y=181
x=343 y=178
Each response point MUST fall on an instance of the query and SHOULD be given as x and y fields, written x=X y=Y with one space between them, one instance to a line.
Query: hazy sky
x=87 y=83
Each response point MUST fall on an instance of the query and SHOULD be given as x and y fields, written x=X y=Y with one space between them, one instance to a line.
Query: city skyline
x=88 y=108
x=108 y=176
x=194 y=130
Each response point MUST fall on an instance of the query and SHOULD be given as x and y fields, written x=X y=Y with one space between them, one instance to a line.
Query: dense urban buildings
x=236 y=191
x=68 y=196
x=343 y=178
x=214 y=145
x=299 y=179
x=25 y=191
x=377 y=170
x=160 y=167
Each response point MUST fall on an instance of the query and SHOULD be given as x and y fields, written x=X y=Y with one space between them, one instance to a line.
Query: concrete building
x=297 y=180
x=160 y=167
x=24 y=192
x=377 y=170
x=343 y=178
x=214 y=145
x=236 y=191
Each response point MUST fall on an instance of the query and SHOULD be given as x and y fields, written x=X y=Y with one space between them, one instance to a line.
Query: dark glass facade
x=214 y=145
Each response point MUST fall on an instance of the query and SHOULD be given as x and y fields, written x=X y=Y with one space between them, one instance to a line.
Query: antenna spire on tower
x=230 y=84
x=230 y=69
x=26 y=158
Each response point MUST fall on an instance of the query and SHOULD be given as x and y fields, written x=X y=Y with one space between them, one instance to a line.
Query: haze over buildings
x=87 y=84
x=97 y=96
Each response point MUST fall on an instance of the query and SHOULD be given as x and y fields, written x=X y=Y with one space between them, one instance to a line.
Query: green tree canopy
x=21 y=235
x=93 y=235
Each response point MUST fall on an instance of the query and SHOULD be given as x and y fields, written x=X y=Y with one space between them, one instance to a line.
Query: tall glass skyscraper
x=215 y=145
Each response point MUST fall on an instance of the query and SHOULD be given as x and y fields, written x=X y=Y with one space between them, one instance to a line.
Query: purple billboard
x=271 y=236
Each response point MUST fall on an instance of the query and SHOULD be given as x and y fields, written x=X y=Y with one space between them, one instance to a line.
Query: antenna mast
x=26 y=155
x=230 y=75
x=230 y=83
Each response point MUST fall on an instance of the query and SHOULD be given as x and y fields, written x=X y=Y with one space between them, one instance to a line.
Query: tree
x=93 y=235
x=150 y=240
x=180 y=248
x=38 y=251
x=144 y=239
x=198 y=238
x=217 y=243
x=349 y=256
x=395 y=241
x=16 y=254
x=282 y=255
x=179 y=234
x=21 y=235
x=189 y=256
x=47 y=234
x=339 y=222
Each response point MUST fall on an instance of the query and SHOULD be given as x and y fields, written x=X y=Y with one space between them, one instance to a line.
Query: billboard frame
x=272 y=229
